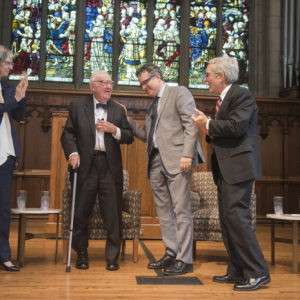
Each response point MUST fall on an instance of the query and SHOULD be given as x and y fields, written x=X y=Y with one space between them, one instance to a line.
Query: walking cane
x=68 y=268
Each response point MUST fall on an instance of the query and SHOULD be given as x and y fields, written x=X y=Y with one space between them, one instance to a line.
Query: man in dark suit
x=91 y=140
x=173 y=149
x=12 y=107
x=235 y=165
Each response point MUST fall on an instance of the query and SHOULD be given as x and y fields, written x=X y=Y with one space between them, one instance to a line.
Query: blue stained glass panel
x=202 y=38
x=26 y=33
x=98 y=37
x=60 y=45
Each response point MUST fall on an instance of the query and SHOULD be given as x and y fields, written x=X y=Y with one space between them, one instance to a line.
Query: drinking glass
x=45 y=199
x=278 y=205
x=21 y=199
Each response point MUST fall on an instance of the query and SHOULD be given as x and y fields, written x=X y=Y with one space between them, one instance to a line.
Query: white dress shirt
x=101 y=114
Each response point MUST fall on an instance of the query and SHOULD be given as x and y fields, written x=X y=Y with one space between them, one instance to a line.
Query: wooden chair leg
x=123 y=246
x=194 y=249
x=65 y=251
x=135 y=250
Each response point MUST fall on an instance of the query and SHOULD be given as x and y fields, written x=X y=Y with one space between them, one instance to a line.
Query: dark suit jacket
x=14 y=109
x=235 y=137
x=79 y=136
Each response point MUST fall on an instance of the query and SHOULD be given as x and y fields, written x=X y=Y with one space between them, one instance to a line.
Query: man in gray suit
x=173 y=149
x=235 y=164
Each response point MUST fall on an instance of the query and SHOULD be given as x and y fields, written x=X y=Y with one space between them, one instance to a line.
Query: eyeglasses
x=147 y=80
x=210 y=74
x=8 y=63
x=104 y=83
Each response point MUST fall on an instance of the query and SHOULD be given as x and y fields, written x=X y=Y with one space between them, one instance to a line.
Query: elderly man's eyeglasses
x=147 y=80
x=105 y=83
x=210 y=74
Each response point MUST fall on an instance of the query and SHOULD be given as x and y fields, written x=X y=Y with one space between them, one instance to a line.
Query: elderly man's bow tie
x=103 y=105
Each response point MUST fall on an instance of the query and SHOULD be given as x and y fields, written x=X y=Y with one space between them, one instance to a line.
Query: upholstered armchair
x=130 y=217
x=205 y=208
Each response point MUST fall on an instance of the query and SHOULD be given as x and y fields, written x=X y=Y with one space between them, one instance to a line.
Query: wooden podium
x=58 y=165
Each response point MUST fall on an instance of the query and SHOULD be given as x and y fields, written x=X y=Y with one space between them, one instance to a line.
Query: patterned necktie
x=103 y=105
x=153 y=121
x=218 y=104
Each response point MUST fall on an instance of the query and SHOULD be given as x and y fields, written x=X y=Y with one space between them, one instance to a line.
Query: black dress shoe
x=178 y=268
x=10 y=268
x=164 y=262
x=227 y=278
x=112 y=267
x=252 y=284
x=82 y=260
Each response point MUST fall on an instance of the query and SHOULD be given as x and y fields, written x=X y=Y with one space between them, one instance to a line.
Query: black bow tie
x=103 y=105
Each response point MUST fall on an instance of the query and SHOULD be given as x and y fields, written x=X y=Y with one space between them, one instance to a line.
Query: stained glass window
x=202 y=36
x=98 y=37
x=213 y=28
x=166 y=39
x=133 y=37
x=235 y=34
x=60 y=45
x=26 y=33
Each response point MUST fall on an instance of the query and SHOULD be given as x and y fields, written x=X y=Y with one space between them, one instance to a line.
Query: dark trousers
x=99 y=182
x=246 y=258
x=6 y=177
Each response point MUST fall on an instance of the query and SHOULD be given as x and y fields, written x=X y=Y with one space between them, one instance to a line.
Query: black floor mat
x=160 y=279
x=168 y=280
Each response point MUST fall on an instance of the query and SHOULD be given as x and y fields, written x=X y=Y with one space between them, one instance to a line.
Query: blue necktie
x=103 y=105
x=153 y=117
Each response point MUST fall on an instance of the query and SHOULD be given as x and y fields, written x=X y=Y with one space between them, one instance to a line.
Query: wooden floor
x=41 y=278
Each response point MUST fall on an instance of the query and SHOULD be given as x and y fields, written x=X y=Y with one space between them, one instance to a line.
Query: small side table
x=22 y=235
x=294 y=219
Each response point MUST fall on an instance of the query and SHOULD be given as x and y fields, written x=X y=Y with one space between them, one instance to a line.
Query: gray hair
x=151 y=69
x=96 y=74
x=228 y=66
x=5 y=53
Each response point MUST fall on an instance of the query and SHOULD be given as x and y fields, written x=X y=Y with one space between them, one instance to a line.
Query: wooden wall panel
x=37 y=148
x=58 y=161
x=271 y=152
x=33 y=181
x=293 y=155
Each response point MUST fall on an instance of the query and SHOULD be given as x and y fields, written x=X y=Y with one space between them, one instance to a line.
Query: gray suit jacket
x=176 y=134
x=235 y=137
